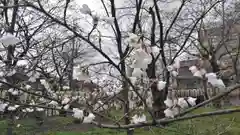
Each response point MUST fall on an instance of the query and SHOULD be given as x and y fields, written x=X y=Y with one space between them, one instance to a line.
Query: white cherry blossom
x=22 y=63
x=15 y=92
x=174 y=73
x=155 y=49
x=203 y=71
x=53 y=103
x=27 y=87
x=161 y=85
x=3 y=106
x=193 y=69
x=170 y=68
x=42 y=99
x=192 y=101
x=11 y=72
x=10 y=90
x=89 y=118
x=216 y=83
x=29 y=110
x=66 y=107
x=9 y=39
x=141 y=54
x=182 y=103
x=133 y=80
x=110 y=93
x=39 y=109
x=137 y=72
x=211 y=75
x=131 y=104
x=66 y=87
x=66 y=100
x=170 y=102
x=176 y=64
x=12 y=108
x=24 y=110
x=139 y=119
x=77 y=113
x=198 y=74
x=171 y=112
x=139 y=64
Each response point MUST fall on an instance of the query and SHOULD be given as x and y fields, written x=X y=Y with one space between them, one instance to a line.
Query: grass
x=29 y=126
x=215 y=125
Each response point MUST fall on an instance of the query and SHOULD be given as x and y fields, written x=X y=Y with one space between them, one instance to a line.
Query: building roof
x=85 y=85
x=184 y=67
x=188 y=63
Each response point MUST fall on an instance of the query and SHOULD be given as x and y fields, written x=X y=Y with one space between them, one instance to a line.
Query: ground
x=215 y=125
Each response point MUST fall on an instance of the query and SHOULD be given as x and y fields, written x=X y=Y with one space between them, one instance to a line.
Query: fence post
x=216 y=103
x=205 y=88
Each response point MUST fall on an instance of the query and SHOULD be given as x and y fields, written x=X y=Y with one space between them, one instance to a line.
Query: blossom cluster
x=174 y=106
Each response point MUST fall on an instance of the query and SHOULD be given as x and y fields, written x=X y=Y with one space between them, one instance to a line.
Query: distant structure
x=225 y=51
x=185 y=78
x=224 y=42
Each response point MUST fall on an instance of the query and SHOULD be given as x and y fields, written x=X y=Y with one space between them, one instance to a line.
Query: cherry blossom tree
x=129 y=42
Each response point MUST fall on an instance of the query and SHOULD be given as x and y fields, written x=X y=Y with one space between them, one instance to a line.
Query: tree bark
x=158 y=96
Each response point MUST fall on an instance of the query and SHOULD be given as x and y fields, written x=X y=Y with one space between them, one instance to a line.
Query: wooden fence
x=199 y=92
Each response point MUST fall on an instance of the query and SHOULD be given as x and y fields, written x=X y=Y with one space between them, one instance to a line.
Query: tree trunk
x=206 y=97
x=215 y=69
x=158 y=96
x=126 y=101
